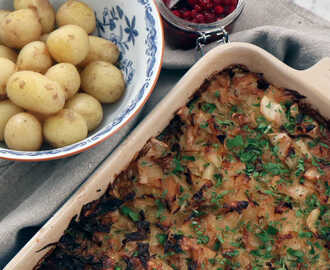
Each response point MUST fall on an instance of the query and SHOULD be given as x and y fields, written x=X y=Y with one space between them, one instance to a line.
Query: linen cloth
x=31 y=192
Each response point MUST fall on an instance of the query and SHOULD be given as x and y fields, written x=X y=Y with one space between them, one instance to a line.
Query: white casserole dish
x=313 y=83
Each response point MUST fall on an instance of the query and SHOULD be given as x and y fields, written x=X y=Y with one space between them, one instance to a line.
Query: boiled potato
x=44 y=9
x=20 y=27
x=7 y=110
x=7 y=68
x=101 y=49
x=35 y=92
x=65 y=128
x=23 y=132
x=77 y=13
x=67 y=76
x=35 y=57
x=68 y=44
x=103 y=81
x=88 y=107
x=8 y=53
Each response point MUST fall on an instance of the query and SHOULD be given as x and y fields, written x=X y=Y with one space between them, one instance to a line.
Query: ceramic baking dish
x=314 y=83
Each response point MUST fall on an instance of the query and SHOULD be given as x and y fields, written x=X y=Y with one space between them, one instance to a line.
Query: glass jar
x=183 y=34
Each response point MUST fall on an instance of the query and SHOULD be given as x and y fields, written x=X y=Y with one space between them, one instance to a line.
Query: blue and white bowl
x=135 y=26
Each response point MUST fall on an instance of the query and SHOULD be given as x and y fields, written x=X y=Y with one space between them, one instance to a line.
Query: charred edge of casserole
x=109 y=202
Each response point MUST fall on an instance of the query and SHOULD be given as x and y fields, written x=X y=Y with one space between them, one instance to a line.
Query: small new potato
x=101 y=49
x=7 y=110
x=19 y=28
x=23 y=132
x=44 y=9
x=103 y=81
x=77 y=13
x=68 y=44
x=88 y=107
x=67 y=76
x=35 y=57
x=7 y=68
x=8 y=53
x=35 y=92
x=65 y=128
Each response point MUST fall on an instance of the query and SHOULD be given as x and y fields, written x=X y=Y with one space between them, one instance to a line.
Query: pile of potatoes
x=43 y=70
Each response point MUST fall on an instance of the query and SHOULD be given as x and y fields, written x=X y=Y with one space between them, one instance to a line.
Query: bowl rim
x=64 y=154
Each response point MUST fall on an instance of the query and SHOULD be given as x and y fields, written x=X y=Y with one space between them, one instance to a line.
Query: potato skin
x=7 y=68
x=44 y=9
x=23 y=132
x=77 y=13
x=65 y=128
x=103 y=81
x=19 y=28
x=35 y=57
x=8 y=53
x=101 y=49
x=3 y=14
x=68 y=44
x=7 y=110
x=34 y=92
x=67 y=76
x=88 y=107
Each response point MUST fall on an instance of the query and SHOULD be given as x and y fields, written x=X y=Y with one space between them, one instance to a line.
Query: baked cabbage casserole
x=238 y=180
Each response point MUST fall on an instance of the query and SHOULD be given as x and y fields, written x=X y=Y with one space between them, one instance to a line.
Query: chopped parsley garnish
x=218 y=178
x=204 y=125
x=235 y=142
x=224 y=122
x=160 y=209
x=296 y=253
x=161 y=238
x=190 y=158
x=275 y=168
x=300 y=167
x=177 y=167
x=130 y=213
x=208 y=107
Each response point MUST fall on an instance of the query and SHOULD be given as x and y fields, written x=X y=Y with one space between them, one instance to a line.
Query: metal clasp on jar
x=219 y=36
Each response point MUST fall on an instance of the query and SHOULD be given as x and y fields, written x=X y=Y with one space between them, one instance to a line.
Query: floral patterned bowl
x=135 y=26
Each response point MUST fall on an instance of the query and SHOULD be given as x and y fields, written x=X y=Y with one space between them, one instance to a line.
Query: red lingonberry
x=200 y=18
x=192 y=2
x=204 y=3
x=197 y=8
x=227 y=2
x=209 y=17
x=219 y=10
x=186 y=15
x=176 y=13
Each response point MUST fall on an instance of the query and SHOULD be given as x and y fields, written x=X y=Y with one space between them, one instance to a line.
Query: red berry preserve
x=203 y=11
